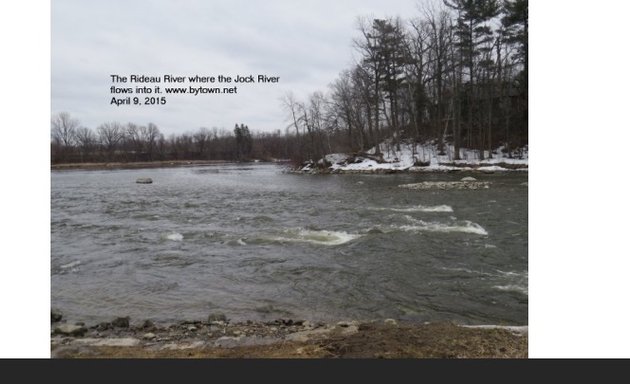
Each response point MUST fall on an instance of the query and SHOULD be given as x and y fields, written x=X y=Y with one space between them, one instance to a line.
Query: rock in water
x=144 y=180
x=70 y=330
x=148 y=336
x=469 y=179
x=121 y=322
x=447 y=185
x=55 y=316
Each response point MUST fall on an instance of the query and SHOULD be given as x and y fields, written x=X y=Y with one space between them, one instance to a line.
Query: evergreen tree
x=472 y=31
x=238 y=135
x=244 y=142
x=515 y=33
x=514 y=21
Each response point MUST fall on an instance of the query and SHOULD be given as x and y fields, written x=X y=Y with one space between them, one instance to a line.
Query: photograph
x=289 y=179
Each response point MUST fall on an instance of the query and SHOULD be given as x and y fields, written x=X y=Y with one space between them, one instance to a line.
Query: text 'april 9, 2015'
x=155 y=90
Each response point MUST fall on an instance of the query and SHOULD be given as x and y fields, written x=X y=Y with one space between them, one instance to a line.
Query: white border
x=25 y=191
x=579 y=129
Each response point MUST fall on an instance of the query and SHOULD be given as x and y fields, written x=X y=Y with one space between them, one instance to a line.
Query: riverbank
x=416 y=157
x=284 y=338
x=135 y=165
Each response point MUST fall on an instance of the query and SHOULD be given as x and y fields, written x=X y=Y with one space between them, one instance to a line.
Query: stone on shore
x=468 y=179
x=346 y=324
x=385 y=338
x=121 y=322
x=70 y=330
x=144 y=180
x=228 y=341
x=111 y=342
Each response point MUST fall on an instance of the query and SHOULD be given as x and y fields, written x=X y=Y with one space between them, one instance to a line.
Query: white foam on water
x=317 y=237
x=512 y=288
x=464 y=226
x=417 y=208
x=510 y=273
x=175 y=236
x=71 y=265
x=516 y=282
x=466 y=270
x=235 y=242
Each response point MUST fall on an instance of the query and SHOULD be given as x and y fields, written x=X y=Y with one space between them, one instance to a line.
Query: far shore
x=444 y=168
x=138 y=165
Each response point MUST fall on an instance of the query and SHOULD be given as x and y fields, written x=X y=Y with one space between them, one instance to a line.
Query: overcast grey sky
x=306 y=43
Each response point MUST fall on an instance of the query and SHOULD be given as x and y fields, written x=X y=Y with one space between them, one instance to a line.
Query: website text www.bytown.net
x=199 y=90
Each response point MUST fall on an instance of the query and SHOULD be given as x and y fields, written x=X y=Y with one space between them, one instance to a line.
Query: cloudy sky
x=306 y=43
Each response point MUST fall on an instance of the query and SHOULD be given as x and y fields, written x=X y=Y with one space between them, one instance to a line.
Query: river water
x=256 y=243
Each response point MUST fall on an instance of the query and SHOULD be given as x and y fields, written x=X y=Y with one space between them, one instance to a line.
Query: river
x=256 y=243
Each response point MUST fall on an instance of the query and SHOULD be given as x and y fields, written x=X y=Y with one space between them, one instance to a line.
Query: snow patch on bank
x=424 y=157
x=335 y=158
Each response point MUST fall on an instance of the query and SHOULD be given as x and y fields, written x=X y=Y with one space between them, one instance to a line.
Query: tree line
x=456 y=73
x=116 y=142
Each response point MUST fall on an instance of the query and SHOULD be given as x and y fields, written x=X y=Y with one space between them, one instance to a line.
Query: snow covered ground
x=422 y=158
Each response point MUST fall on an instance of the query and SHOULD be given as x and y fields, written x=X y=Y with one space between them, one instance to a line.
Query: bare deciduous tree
x=86 y=141
x=109 y=135
x=64 y=129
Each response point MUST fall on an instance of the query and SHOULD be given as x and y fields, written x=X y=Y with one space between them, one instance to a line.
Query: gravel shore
x=284 y=338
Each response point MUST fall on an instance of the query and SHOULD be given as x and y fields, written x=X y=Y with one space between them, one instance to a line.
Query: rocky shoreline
x=218 y=337
x=465 y=183
x=309 y=169
x=411 y=157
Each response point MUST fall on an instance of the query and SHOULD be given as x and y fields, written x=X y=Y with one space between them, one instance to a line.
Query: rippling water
x=255 y=243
